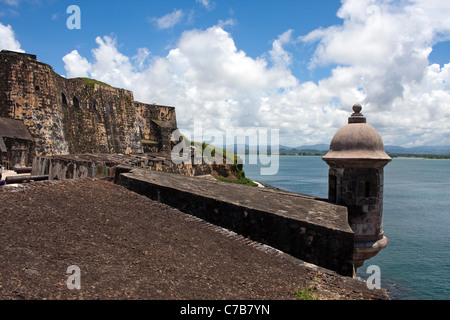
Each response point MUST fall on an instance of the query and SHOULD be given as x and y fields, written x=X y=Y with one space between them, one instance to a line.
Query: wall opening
x=92 y=106
x=332 y=189
x=367 y=190
x=64 y=99
x=76 y=102
x=70 y=171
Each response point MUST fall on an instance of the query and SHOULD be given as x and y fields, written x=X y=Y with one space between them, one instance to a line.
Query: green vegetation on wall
x=90 y=83
x=237 y=167
x=306 y=294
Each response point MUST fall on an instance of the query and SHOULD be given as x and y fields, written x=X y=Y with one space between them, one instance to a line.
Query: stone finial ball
x=357 y=108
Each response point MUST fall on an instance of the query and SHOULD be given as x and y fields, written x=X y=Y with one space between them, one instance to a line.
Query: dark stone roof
x=14 y=129
x=10 y=128
x=130 y=247
x=22 y=54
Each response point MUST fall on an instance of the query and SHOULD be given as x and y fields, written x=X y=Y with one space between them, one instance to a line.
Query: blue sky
x=296 y=66
x=41 y=25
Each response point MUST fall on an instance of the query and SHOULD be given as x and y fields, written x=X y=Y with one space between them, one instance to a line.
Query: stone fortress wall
x=75 y=116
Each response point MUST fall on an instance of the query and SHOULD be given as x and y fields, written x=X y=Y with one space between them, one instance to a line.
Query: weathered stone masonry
x=357 y=159
x=72 y=116
x=300 y=225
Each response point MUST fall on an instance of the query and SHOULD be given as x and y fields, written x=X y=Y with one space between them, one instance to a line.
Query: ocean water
x=416 y=217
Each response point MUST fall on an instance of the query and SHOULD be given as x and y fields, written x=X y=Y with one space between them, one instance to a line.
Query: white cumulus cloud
x=382 y=50
x=206 y=3
x=8 y=40
x=378 y=57
x=14 y=3
x=76 y=65
x=169 y=20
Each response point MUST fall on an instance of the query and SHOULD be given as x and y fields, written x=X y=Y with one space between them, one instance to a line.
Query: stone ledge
x=312 y=230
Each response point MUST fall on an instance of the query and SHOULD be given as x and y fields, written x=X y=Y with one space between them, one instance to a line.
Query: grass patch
x=244 y=181
x=306 y=294
x=238 y=168
x=90 y=83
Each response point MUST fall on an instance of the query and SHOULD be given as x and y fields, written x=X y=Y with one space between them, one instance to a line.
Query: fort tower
x=357 y=159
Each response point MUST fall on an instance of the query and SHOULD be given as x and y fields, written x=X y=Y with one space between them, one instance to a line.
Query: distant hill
x=317 y=147
x=433 y=150
x=322 y=148
x=388 y=148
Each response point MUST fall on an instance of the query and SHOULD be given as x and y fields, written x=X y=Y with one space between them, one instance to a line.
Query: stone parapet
x=103 y=166
x=302 y=226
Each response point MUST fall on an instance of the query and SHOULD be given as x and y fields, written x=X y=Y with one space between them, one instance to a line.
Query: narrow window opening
x=367 y=190
x=332 y=191
x=63 y=98
x=76 y=102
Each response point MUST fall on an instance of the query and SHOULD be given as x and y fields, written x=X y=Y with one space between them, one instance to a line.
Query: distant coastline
x=424 y=152
x=422 y=156
x=297 y=152
x=416 y=156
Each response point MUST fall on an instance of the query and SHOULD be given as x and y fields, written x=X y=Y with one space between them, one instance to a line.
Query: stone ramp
x=302 y=226
x=129 y=247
